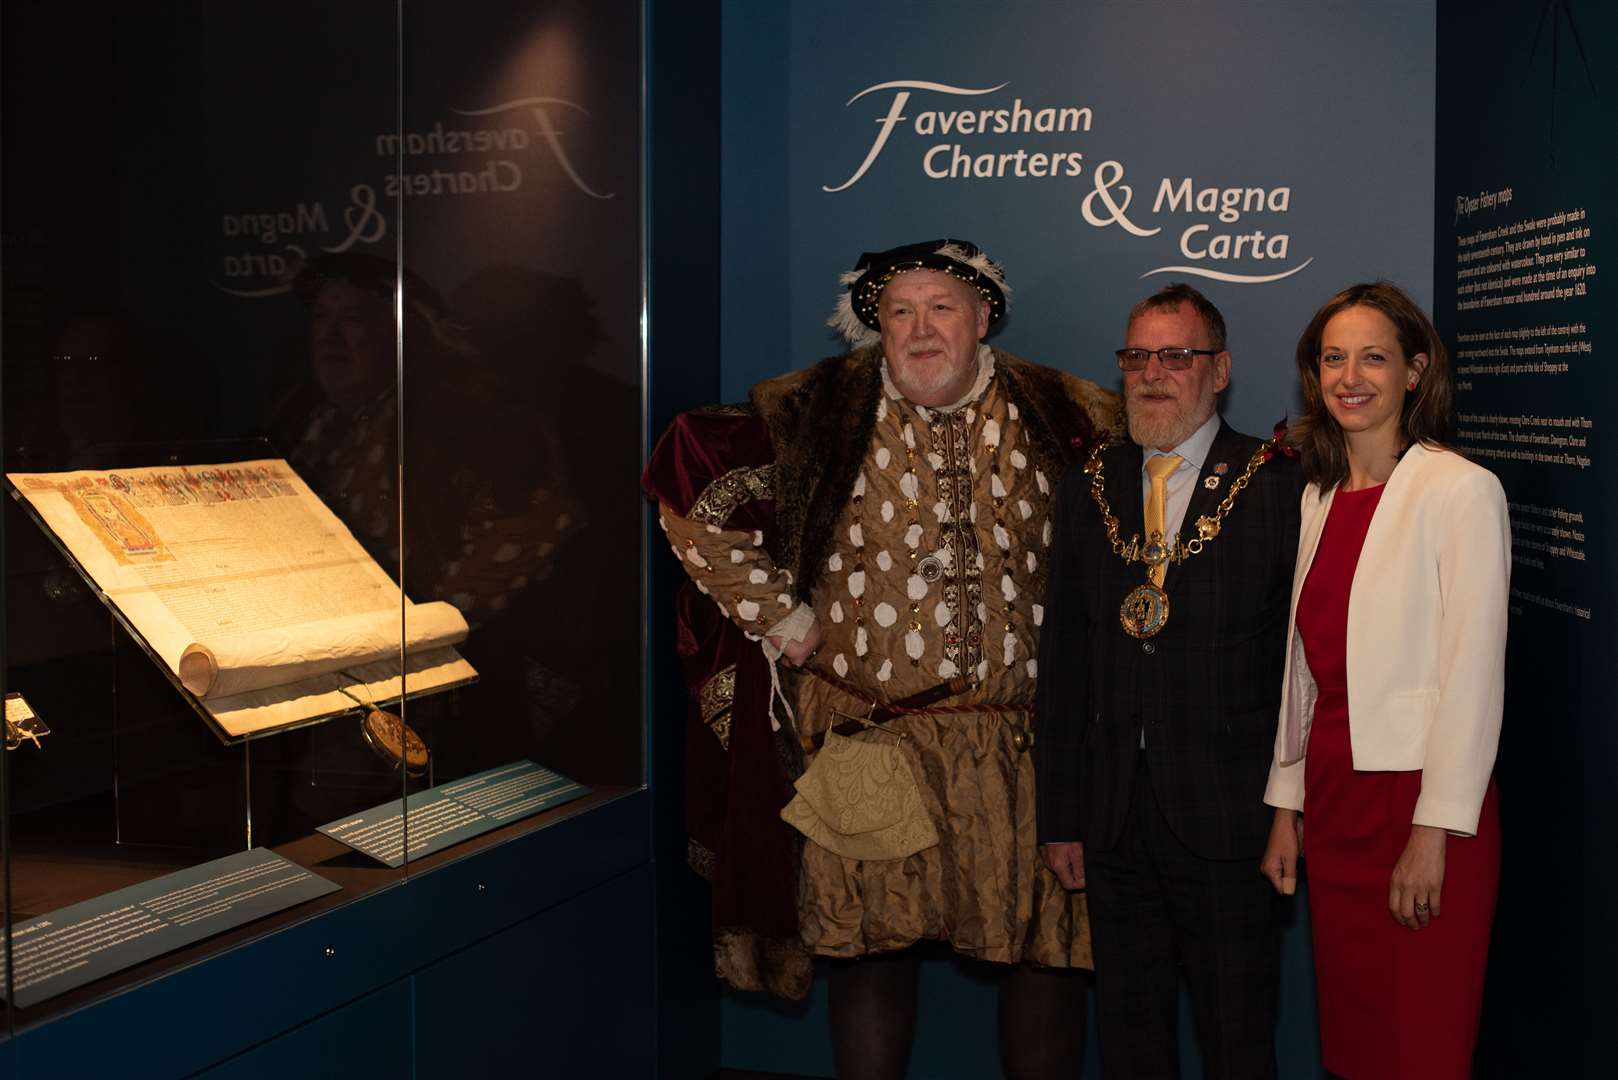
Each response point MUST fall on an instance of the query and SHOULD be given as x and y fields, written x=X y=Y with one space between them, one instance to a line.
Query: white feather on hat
x=844 y=321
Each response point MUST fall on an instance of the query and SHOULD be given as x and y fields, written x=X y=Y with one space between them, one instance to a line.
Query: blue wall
x=1331 y=101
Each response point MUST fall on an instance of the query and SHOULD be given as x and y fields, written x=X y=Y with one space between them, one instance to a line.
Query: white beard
x=1170 y=430
x=926 y=384
x=923 y=385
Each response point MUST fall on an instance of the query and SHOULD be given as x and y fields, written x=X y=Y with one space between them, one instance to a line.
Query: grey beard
x=1166 y=432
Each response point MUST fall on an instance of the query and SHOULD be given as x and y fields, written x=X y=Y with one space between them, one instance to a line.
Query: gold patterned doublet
x=938 y=563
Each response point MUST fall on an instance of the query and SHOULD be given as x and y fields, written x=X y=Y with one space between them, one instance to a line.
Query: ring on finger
x=1421 y=907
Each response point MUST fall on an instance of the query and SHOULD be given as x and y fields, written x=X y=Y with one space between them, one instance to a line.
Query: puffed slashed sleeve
x=1474 y=577
x=733 y=569
x=712 y=474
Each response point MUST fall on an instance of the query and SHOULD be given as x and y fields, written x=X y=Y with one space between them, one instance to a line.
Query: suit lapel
x=1224 y=450
x=1124 y=489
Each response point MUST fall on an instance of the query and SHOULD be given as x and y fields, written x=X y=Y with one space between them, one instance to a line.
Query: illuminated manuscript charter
x=257 y=598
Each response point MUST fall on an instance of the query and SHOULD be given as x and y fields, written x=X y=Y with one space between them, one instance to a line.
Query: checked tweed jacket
x=1205 y=690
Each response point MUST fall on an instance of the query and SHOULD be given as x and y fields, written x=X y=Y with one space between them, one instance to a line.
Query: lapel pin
x=1210 y=482
x=1221 y=469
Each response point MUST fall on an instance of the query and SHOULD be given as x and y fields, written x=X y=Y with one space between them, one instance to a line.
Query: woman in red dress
x=1390 y=713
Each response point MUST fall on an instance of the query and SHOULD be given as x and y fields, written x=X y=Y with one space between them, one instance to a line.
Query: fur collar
x=820 y=421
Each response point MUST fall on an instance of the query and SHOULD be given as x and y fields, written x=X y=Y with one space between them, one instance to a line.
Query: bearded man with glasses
x=1164 y=640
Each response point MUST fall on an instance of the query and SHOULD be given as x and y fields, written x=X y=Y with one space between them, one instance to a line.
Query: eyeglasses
x=1172 y=359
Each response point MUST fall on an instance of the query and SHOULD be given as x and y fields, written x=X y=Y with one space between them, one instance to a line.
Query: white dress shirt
x=1183 y=480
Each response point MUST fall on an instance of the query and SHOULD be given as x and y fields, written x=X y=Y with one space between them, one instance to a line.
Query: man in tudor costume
x=1170 y=579
x=867 y=541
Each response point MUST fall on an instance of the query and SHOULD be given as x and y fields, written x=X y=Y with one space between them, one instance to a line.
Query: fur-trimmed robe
x=820 y=421
x=785 y=465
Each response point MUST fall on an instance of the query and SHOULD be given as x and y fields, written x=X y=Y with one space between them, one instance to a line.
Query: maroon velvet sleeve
x=699 y=448
x=735 y=797
x=735 y=794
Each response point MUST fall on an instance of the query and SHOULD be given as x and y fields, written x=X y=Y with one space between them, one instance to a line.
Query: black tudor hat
x=856 y=313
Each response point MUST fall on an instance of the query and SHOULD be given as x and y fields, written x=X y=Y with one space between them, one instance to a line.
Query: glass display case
x=322 y=405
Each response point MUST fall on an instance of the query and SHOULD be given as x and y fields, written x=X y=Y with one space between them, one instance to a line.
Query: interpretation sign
x=78 y=944
x=443 y=816
x=1523 y=247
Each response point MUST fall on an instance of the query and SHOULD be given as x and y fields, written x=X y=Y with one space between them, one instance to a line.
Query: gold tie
x=1157 y=471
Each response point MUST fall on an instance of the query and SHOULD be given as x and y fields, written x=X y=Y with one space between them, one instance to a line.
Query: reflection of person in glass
x=1393 y=695
x=352 y=343
x=564 y=423
x=879 y=522
x=501 y=464
x=341 y=426
x=343 y=431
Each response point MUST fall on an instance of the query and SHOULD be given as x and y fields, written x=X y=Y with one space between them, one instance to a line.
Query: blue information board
x=443 y=816
x=78 y=944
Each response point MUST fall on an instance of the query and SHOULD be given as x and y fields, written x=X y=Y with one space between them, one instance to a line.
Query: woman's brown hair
x=1425 y=416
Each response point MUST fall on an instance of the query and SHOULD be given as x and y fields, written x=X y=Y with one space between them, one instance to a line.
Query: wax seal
x=394 y=742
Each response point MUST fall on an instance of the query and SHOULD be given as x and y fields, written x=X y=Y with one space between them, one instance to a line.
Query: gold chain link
x=1207 y=526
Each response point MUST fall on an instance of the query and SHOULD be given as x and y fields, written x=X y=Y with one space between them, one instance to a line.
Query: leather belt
x=880 y=713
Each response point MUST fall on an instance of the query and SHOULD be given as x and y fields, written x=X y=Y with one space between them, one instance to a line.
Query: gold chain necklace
x=1145 y=611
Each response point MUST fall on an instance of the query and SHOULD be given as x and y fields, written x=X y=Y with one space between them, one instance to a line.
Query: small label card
x=443 y=816
x=22 y=723
x=80 y=943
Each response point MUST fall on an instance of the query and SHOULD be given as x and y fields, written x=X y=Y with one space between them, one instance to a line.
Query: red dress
x=1393 y=1002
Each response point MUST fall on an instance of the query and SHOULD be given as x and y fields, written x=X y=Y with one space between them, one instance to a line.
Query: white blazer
x=1426 y=638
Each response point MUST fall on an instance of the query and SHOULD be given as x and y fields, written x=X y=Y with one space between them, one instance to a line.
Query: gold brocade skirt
x=983 y=888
